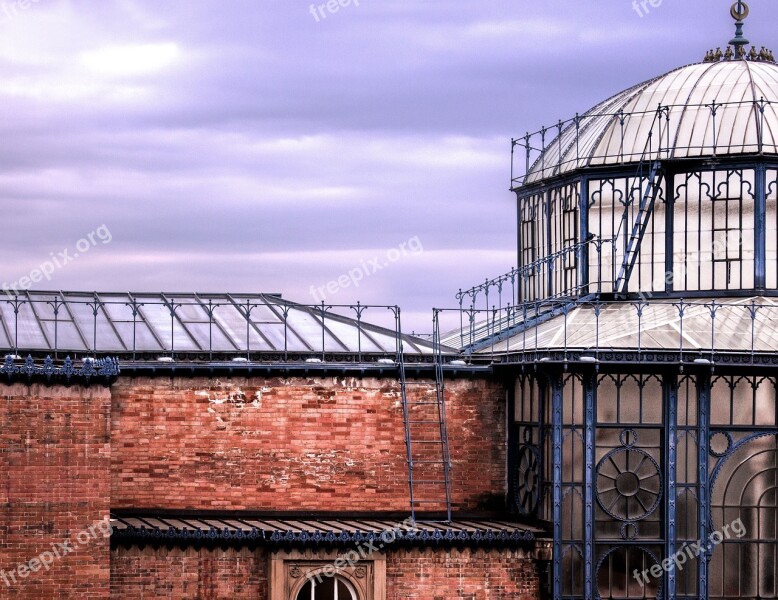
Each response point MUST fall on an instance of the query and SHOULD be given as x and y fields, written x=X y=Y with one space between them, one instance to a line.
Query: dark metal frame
x=709 y=460
x=588 y=252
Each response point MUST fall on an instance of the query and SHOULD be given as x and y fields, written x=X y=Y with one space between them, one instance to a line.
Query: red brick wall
x=331 y=444
x=242 y=574
x=54 y=471
x=189 y=574
x=469 y=574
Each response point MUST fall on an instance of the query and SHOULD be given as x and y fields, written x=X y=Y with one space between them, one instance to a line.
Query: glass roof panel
x=150 y=331
x=660 y=326
x=309 y=328
x=167 y=329
x=67 y=337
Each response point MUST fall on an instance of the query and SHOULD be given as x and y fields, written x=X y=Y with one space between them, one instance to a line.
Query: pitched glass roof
x=239 y=324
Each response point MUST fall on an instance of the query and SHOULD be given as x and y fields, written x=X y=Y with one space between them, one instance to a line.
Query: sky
x=286 y=147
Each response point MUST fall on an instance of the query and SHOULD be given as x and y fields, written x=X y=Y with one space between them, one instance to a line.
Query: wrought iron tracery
x=629 y=484
x=745 y=514
x=708 y=457
x=623 y=561
x=528 y=480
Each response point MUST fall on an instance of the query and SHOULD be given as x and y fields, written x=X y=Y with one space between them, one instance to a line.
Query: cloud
x=244 y=146
x=131 y=60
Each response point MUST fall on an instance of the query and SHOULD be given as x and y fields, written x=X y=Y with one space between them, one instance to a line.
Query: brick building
x=241 y=462
x=601 y=422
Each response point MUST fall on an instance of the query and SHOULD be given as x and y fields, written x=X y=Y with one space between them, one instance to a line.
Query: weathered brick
x=55 y=470
x=334 y=444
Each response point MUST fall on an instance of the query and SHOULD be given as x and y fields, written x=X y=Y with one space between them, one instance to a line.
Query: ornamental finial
x=736 y=50
x=739 y=12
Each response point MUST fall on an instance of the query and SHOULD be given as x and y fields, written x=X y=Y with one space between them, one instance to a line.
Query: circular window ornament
x=719 y=443
x=527 y=480
x=629 y=484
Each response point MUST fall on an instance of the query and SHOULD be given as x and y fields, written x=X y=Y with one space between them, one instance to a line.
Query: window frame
x=290 y=570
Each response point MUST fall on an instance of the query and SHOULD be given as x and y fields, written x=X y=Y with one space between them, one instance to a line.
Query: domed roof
x=712 y=108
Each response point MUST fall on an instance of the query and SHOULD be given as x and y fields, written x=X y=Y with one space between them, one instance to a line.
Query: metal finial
x=736 y=50
x=739 y=12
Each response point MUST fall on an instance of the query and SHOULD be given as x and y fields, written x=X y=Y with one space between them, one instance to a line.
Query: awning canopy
x=303 y=532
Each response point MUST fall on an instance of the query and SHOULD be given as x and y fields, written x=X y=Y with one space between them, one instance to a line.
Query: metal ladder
x=643 y=216
x=426 y=438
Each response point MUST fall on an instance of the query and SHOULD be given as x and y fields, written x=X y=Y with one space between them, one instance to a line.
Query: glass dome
x=669 y=187
x=738 y=95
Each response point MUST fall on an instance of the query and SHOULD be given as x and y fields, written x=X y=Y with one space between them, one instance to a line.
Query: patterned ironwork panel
x=526 y=476
x=657 y=486
x=563 y=220
x=533 y=246
x=714 y=230
x=612 y=211
x=616 y=568
x=771 y=229
x=745 y=517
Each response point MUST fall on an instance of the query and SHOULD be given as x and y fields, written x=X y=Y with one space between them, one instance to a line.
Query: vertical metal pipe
x=550 y=264
x=670 y=385
x=285 y=312
x=210 y=329
x=760 y=227
x=669 y=229
x=703 y=508
x=590 y=387
x=556 y=383
x=583 y=237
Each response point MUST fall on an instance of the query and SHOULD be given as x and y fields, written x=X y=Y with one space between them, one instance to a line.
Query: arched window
x=329 y=588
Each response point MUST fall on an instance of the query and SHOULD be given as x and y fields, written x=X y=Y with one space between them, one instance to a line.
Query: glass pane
x=343 y=592
x=306 y=593
x=325 y=590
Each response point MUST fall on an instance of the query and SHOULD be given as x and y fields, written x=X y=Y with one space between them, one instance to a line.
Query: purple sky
x=245 y=146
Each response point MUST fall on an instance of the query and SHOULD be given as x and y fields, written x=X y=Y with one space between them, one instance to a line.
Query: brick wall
x=468 y=574
x=54 y=485
x=146 y=574
x=190 y=574
x=331 y=444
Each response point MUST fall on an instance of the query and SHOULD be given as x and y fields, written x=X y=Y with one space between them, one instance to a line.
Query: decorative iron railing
x=574 y=143
x=699 y=330
x=578 y=270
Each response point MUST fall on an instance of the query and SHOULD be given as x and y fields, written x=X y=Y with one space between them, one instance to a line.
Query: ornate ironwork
x=629 y=484
x=105 y=369
x=442 y=536
x=626 y=580
x=528 y=480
